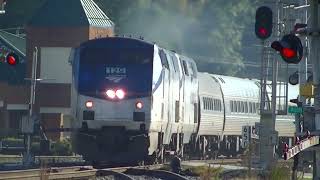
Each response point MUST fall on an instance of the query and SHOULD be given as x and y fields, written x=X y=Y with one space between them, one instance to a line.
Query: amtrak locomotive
x=135 y=101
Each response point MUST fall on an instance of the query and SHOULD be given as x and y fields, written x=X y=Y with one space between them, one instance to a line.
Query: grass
x=206 y=172
x=280 y=172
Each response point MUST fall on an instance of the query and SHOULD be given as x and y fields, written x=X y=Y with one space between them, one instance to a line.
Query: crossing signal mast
x=268 y=134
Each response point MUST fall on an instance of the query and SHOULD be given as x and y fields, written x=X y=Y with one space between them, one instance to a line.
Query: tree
x=215 y=33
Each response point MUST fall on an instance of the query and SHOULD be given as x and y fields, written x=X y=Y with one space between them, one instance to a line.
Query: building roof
x=13 y=42
x=70 y=13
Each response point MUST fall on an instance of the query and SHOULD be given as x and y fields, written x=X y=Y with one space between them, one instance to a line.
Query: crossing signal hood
x=290 y=48
x=263 y=24
x=12 y=59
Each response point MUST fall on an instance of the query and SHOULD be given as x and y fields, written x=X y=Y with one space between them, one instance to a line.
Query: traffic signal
x=263 y=25
x=290 y=48
x=12 y=59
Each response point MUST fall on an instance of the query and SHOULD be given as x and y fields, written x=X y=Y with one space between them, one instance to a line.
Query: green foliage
x=18 y=12
x=206 y=172
x=18 y=145
x=214 y=33
x=209 y=31
x=280 y=172
x=12 y=141
x=61 y=148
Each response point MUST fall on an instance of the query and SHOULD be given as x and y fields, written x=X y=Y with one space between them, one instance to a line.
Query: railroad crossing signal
x=290 y=48
x=12 y=59
x=300 y=146
x=263 y=25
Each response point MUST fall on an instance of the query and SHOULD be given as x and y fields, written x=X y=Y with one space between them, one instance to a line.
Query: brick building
x=58 y=26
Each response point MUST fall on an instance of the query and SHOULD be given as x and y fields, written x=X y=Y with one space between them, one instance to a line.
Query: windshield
x=103 y=69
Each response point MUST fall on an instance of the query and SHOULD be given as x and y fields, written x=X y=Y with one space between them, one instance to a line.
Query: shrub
x=280 y=172
x=61 y=148
x=206 y=172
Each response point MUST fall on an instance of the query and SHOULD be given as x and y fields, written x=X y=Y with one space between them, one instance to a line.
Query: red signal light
x=12 y=59
x=290 y=48
x=263 y=24
x=263 y=31
x=288 y=53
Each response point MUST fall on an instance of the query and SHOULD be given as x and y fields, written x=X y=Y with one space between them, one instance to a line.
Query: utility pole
x=269 y=97
x=314 y=55
x=28 y=126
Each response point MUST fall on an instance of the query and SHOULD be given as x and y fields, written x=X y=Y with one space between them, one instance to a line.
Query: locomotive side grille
x=88 y=115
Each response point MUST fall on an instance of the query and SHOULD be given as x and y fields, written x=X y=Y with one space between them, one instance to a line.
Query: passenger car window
x=194 y=69
x=163 y=58
x=190 y=70
x=175 y=63
x=185 y=67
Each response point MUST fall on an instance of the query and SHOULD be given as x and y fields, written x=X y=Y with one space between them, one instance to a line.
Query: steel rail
x=89 y=171
x=115 y=174
x=162 y=174
x=53 y=173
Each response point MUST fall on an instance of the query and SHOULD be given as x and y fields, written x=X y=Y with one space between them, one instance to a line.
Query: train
x=135 y=101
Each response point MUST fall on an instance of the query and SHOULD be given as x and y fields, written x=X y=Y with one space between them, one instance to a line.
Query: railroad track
x=47 y=159
x=50 y=173
x=160 y=174
x=88 y=172
x=121 y=173
x=74 y=172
